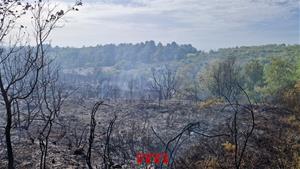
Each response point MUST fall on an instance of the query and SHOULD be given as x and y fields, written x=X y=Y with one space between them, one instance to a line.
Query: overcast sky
x=206 y=24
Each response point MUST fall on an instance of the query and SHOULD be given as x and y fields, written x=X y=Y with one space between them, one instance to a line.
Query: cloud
x=205 y=24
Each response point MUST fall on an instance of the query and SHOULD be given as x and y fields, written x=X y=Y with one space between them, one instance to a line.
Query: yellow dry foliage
x=210 y=163
x=291 y=97
x=297 y=87
x=296 y=158
x=229 y=147
x=209 y=103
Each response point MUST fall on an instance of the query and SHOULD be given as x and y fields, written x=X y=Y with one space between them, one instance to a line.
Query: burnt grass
x=147 y=127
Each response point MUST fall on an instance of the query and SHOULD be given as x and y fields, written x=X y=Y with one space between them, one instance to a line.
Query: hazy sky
x=206 y=24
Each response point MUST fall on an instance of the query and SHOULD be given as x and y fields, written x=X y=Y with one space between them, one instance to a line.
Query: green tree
x=223 y=78
x=254 y=74
x=298 y=68
x=279 y=75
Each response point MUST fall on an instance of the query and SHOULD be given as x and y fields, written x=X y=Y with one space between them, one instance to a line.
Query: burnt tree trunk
x=7 y=102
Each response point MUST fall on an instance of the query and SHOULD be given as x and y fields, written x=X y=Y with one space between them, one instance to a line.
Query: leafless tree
x=79 y=137
x=107 y=148
x=92 y=126
x=53 y=99
x=238 y=131
x=107 y=89
x=115 y=92
x=130 y=85
x=241 y=128
x=15 y=66
x=32 y=109
x=20 y=64
x=164 y=82
x=223 y=77
x=193 y=91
